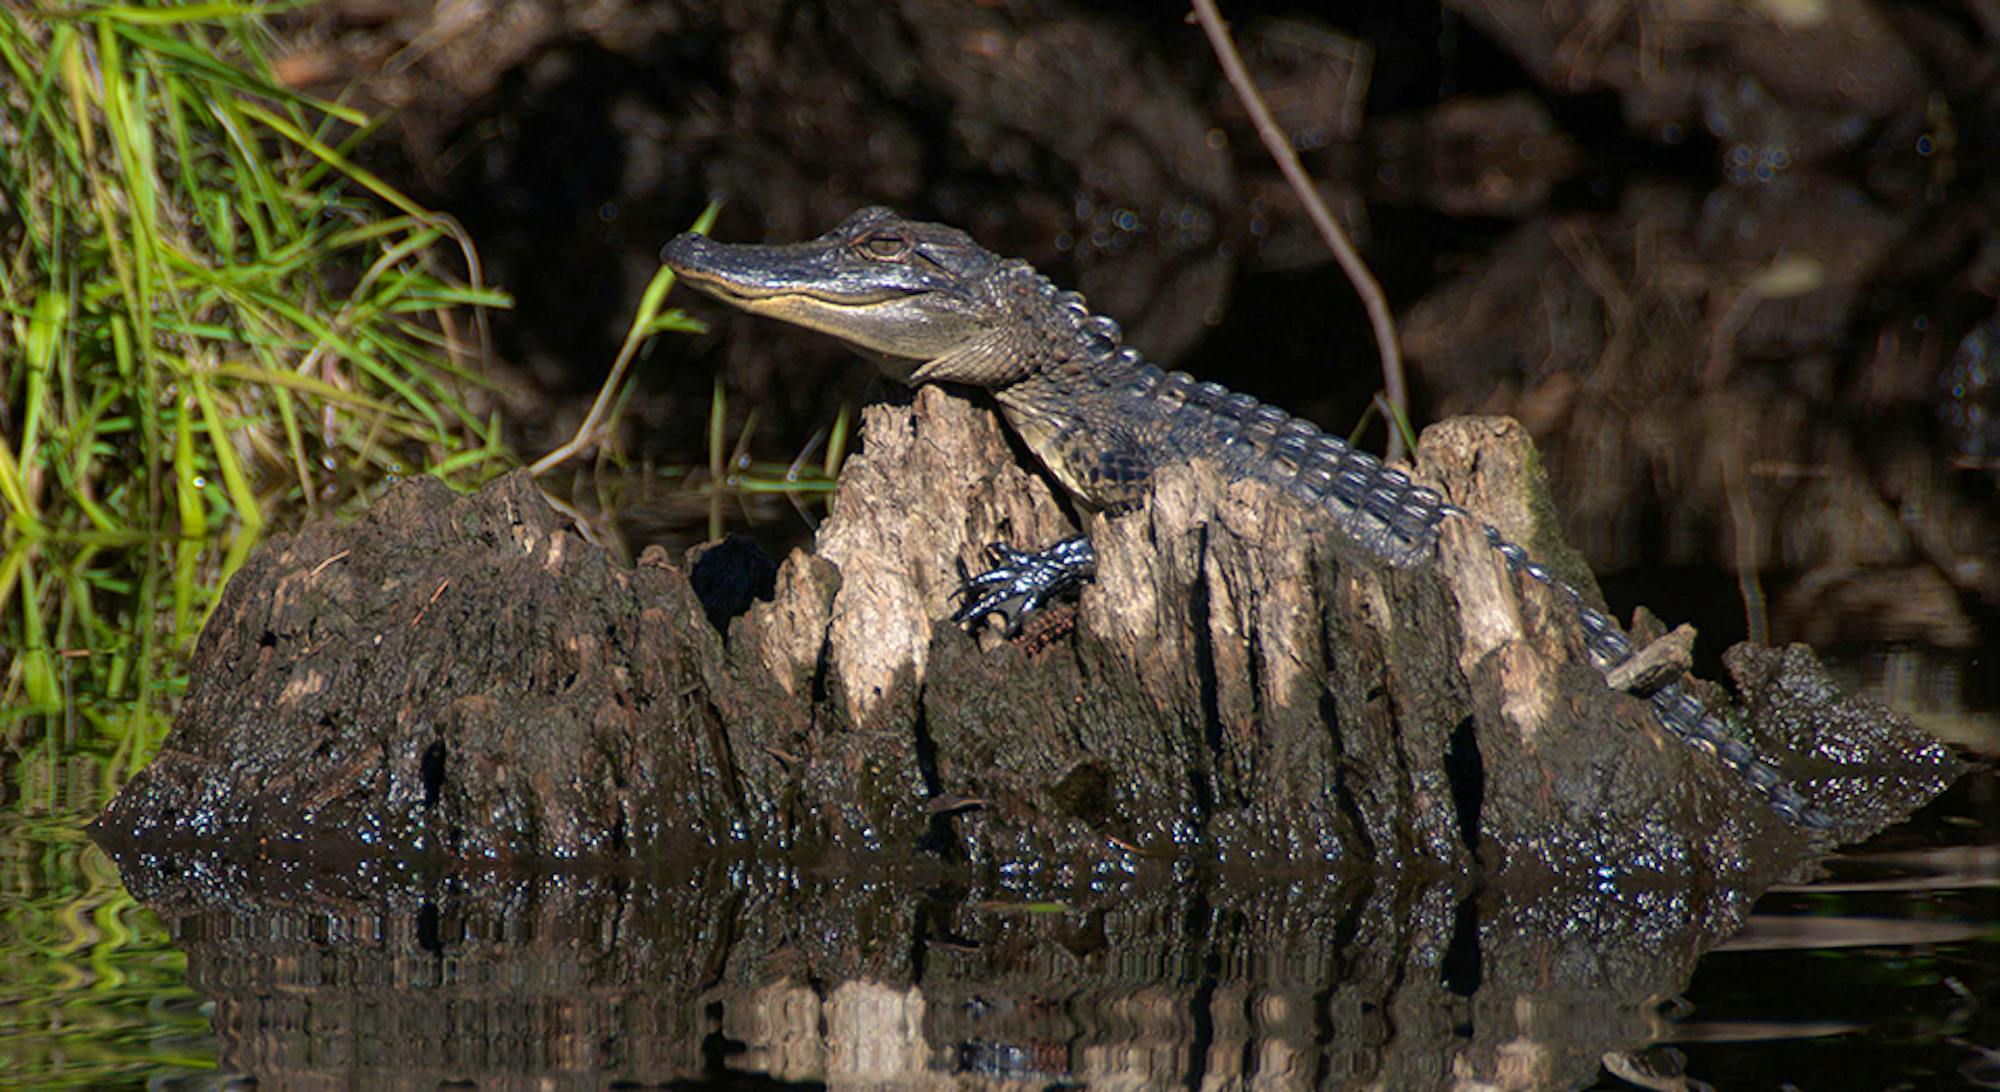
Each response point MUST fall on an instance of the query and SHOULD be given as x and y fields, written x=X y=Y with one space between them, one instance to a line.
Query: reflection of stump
x=467 y=675
x=870 y=977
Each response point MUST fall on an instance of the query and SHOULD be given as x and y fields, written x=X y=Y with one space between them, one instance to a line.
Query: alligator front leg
x=1020 y=583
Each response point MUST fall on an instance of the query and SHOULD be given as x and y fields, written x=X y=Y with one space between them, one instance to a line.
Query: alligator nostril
x=682 y=249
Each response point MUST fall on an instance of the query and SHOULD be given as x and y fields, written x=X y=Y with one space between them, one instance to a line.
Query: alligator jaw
x=900 y=313
x=748 y=275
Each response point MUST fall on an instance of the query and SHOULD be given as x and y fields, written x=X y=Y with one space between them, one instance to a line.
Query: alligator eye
x=888 y=248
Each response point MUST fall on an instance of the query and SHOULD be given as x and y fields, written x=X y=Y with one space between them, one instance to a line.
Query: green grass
x=737 y=474
x=211 y=319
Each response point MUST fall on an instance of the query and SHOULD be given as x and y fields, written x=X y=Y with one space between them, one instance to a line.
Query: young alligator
x=931 y=305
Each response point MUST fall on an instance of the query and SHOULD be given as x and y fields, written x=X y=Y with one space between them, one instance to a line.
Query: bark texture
x=468 y=676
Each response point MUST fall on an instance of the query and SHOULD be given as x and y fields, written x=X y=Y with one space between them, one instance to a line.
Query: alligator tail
x=1678 y=710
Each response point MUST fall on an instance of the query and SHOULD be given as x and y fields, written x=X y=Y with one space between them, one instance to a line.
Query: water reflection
x=368 y=975
x=1880 y=973
x=91 y=989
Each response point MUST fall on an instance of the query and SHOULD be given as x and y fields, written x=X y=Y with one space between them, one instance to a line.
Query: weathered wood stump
x=469 y=676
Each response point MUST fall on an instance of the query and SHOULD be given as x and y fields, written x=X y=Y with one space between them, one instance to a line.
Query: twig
x=321 y=567
x=1280 y=147
x=587 y=433
x=435 y=596
x=649 y=321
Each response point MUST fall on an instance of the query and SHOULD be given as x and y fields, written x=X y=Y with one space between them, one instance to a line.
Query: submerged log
x=468 y=676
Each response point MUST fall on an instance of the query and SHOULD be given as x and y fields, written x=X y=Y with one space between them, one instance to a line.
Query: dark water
x=325 y=973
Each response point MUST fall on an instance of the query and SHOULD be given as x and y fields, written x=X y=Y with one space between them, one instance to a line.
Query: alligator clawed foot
x=1021 y=583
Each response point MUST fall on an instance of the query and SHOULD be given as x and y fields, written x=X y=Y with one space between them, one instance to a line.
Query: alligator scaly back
x=933 y=306
x=1377 y=507
x=1110 y=419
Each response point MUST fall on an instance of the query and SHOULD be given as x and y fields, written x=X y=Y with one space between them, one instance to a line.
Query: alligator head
x=923 y=300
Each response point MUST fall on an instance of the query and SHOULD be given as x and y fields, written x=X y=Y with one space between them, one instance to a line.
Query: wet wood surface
x=469 y=676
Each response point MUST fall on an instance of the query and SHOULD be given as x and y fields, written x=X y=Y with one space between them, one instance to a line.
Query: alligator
x=930 y=305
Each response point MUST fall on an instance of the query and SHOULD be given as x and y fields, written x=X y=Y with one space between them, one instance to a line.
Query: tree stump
x=468 y=676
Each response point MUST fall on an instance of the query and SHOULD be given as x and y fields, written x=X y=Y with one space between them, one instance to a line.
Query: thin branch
x=648 y=321
x=1280 y=147
x=590 y=432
